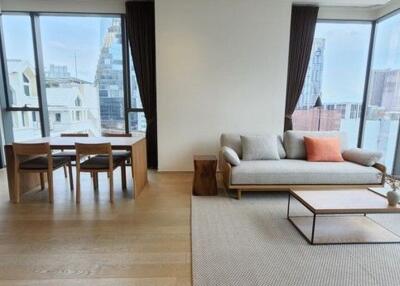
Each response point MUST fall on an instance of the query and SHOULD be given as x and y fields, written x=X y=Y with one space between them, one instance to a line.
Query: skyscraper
x=313 y=82
x=109 y=78
x=385 y=89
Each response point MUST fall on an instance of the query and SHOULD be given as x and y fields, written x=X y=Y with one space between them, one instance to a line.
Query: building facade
x=313 y=82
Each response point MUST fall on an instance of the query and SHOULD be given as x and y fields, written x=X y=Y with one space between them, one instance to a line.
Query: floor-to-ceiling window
x=84 y=73
x=137 y=120
x=383 y=105
x=22 y=88
x=74 y=71
x=336 y=75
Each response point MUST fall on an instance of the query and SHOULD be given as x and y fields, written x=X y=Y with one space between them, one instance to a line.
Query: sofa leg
x=239 y=194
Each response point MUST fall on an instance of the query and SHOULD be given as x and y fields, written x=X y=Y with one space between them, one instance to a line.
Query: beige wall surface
x=221 y=67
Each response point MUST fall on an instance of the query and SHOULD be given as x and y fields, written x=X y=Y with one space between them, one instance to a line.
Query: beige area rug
x=250 y=242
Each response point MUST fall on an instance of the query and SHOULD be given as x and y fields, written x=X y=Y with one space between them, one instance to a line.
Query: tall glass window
x=21 y=74
x=336 y=75
x=383 y=106
x=137 y=120
x=84 y=73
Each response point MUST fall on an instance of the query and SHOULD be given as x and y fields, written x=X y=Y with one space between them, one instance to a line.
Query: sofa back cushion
x=293 y=141
x=233 y=141
x=260 y=147
x=323 y=149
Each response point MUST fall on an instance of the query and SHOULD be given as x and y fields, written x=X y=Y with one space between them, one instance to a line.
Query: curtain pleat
x=140 y=27
x=304 y=21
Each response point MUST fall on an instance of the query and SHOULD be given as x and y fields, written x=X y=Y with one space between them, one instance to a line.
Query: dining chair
x=102 y=161
x=71 y=154
x=126 y=155
x=36 y=158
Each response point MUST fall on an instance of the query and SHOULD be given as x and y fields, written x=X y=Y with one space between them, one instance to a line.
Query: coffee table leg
x=288 y=206
x=313 y=229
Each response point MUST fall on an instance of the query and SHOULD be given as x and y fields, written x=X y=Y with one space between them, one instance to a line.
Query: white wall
x=221 y=67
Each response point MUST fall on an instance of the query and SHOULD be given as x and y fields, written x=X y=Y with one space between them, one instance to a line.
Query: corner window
x=336 y=74
x=383 y=105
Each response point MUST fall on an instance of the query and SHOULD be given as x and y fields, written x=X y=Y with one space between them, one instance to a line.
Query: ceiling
x=350 y=3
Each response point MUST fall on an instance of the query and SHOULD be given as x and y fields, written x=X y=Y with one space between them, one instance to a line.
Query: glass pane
x=135 y=95
x=137 y=122
x=336 y=74
x=84 y=73
x=21 y=65
x=26 y=125
x=382 y=119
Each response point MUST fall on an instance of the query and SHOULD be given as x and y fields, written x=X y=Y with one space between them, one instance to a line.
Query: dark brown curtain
x=304 y=20
x=140 y=27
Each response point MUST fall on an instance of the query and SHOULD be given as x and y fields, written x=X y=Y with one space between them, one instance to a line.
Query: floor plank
x=142 y=242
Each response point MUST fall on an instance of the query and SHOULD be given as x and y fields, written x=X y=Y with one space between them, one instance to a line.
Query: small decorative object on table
x=205 y=181
x=393 y=196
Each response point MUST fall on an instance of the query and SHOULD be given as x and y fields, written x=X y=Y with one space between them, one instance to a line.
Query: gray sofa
x=293 y=169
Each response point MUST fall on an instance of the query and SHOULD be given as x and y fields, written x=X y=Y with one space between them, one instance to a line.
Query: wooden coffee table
x=339 y=216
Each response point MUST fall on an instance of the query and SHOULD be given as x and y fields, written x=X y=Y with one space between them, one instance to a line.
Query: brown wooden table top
x=343 y=201
x=69 y=142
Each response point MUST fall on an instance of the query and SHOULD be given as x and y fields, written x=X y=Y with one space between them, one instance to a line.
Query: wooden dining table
x=136 y=145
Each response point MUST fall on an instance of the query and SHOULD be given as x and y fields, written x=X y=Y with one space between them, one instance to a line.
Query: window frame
x=395 y=169
x=42 y=108
x=368 y=67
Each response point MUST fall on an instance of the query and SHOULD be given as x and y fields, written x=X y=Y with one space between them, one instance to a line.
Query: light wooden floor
x=142 y=242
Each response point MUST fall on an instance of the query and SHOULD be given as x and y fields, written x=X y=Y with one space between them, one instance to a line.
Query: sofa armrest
x=381 y=168
x=226 y=170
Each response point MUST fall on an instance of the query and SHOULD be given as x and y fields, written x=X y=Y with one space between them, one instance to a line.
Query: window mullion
x=4 y=92
x=40 y=75
x=364 y=105
x=126 y=74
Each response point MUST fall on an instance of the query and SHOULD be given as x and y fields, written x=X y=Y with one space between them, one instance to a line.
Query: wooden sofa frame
x=226 y=169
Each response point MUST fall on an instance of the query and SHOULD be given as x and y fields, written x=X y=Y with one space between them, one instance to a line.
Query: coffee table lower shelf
x=341 y=229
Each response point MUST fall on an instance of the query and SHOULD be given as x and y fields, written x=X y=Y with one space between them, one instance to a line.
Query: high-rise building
x=109 y=78
x=313 y=82
x=385 y=89
x=377 y=85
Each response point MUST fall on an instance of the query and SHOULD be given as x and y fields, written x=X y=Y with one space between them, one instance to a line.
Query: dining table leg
x=139 y=167
x=27 y=181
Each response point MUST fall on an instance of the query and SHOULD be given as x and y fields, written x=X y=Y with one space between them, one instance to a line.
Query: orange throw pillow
x=323 y=149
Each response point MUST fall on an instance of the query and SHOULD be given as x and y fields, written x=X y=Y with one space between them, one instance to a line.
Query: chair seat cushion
x=119 y=154
x=41 y=162
x=100 y=162
x=69 y=154
x=301 y=172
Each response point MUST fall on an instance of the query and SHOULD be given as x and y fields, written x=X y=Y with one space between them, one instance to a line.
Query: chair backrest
x=74 y=135
x=93 y=149
x=31 y=149
x=105 y=134
x=87 y=149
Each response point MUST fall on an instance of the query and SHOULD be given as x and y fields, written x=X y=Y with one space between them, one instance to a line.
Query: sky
x=346 y=56
x=345 y=60
x=62 y=38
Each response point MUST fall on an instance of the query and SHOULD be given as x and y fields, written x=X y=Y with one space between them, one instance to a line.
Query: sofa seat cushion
x=301 y=172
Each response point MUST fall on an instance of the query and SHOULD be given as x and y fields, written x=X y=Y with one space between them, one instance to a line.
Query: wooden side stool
x=205 y=181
